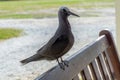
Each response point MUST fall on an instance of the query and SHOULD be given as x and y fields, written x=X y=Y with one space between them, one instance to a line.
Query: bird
x=61 y=42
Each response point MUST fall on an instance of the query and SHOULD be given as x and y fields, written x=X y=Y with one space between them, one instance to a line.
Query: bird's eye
x=64 y=10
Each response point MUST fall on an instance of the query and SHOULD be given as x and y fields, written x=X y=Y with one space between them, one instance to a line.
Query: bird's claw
x=62 y=66
x=63 y=63
x=66 y=63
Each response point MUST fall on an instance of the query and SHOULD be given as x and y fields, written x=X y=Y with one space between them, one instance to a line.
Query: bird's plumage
x=60 y=43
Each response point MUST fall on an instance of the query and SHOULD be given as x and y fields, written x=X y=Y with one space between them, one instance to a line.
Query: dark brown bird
x=59 y=44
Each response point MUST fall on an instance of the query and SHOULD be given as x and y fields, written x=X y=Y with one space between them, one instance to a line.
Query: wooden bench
x=96 y=61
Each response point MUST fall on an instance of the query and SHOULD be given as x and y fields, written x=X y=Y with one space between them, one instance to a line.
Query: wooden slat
x=92 y=70
x=96 y=69
x=108 y=61
x=82 y=74
x=87 y=74
x=107 y=66
x=80 y=57
x=101 y=68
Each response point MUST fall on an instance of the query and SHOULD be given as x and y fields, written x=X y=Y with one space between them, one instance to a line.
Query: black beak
x=71 y=13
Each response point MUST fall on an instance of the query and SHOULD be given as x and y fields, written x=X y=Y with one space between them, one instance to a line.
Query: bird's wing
x=54 y=47
x=59 y=45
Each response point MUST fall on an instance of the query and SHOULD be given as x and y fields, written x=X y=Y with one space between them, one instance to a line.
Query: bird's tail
x=25 y=61
x=32 y=58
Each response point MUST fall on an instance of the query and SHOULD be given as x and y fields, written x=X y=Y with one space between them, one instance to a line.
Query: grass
x=35 y=9
x=6 y=33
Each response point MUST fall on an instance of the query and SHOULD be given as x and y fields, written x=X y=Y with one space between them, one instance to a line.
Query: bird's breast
x=70 y=43
x=71 y=40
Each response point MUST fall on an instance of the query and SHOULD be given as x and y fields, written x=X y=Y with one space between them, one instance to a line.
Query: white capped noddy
x=59 y=44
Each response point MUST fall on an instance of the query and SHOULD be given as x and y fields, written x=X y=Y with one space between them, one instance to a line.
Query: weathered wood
x=96 y=70
x=87 y=74
x=104 y=66
x=96 y=61
x=92 y=70
x=82 y=74
x=100 y=68
x=107 y=66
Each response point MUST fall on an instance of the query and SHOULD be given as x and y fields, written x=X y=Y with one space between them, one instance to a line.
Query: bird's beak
x=71 y=13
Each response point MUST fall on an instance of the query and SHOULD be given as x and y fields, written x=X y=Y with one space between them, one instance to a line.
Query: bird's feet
x=62 y=66
x=63 y=63
x=66 y=63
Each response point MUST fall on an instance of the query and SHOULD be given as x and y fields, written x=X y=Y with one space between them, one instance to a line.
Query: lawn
x=6 y=33
x=43 y=8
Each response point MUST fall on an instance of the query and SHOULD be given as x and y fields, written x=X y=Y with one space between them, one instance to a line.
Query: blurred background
x=26 y=25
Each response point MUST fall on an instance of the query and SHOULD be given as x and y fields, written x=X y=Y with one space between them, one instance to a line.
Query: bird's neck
x=64 y=26
x=64 y=23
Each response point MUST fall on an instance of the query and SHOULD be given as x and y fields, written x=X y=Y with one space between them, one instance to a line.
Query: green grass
x=16 y=9
x=18 y=16
x=6 y=33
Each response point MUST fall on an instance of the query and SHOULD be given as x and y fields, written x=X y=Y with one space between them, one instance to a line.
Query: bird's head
x=65 y=12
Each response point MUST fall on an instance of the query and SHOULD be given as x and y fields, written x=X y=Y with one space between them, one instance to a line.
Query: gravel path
x=37 y=33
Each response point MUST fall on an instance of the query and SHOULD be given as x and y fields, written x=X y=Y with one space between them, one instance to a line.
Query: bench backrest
x=96 y=61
